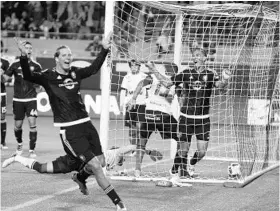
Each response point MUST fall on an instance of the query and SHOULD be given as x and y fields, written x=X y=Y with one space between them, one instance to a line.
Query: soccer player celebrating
x=78 y=135
x=4 y=66
x=24 y=101
x=158 y=114
x=198 y=83
x=133 y=116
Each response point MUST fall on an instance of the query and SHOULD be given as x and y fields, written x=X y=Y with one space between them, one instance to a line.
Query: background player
x=198 y=83
x=24 y=101
x=78 y=135
x=158 y=114
x=133 y=116
x=4 y=66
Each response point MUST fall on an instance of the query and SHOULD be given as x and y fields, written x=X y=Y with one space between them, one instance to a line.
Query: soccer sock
x=110 y=191
x=176 y=164
x=32 y=140
x=83 y=175
x=3 y=132
x=194 y=159
x=18 y=135
x=28 y=162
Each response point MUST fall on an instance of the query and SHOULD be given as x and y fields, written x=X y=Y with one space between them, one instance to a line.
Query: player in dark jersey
x=24 y=101
x=4 y=66
x=194 y=98
x=78 y=135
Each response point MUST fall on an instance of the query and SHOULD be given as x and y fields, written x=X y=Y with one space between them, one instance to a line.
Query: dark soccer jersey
x=64 y=90
x=196 y=91
x=23 y=89
x=4 y=66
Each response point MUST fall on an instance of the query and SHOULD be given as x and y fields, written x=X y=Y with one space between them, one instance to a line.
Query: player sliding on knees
x=79 y=137
x=197 y=84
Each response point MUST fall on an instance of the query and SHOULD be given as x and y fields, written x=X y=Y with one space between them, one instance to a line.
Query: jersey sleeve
x=94 y=67
x=5 y=65
x=124 y=83
x=10 y=70
x=180 y=78
x=32 y=76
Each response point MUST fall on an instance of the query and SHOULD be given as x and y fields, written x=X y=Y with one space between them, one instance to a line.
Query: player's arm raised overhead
x=98 y=62
x=32 y=76
x=167 y=82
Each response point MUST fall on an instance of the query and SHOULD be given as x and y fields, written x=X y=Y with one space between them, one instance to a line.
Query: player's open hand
x=106 y=42
x=21 y=46
x=151 y=66
x=131 y=104
x=226 y=74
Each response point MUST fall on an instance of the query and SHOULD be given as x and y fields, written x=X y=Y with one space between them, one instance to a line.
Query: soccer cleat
x=4 y=146
x=8 y=161
x=190 y=169
x=32 y=154
x=121 y=206
x=19 y=149
x=82 y=184
x=155 y=155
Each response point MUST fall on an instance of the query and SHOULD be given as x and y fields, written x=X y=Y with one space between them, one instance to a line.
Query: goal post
x=244 y=120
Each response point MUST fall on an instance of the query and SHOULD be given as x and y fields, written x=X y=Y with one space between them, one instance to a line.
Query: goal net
x=244 y=120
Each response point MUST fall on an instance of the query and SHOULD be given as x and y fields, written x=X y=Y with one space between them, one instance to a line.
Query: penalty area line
x=41 y=199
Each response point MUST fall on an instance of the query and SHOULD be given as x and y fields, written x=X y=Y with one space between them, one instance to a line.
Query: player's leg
x=88 y=149
x=63 y=164
x=3 y=122
x=145 y=132
x=202 y=131
x=18 y=110
x=31 y=112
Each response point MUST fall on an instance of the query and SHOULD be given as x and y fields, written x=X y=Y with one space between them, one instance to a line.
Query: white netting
x=244 y=38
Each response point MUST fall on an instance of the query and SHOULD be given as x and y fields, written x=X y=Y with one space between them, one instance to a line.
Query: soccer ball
x=234 y=171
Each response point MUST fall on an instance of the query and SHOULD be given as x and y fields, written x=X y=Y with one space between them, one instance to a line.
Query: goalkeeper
x=194 y=98
x=133 y=116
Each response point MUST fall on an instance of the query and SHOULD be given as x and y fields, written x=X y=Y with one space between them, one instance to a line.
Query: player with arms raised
x=198 y=83
x=25 y=100
x=133 y=116
x=158 y=113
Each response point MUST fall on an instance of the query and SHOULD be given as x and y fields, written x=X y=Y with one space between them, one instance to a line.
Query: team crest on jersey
x=68 y=83
x=205 y=78
x=73 y=75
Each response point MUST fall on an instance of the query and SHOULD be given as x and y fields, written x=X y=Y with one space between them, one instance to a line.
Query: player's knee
x=183 y=153
x=93 y=166
x=16 y=128
x=33 y=128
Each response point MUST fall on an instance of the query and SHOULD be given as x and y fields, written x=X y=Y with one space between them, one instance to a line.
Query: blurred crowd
x=52 y=19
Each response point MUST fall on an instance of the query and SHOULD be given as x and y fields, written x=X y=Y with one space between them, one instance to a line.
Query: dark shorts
x=3 y=104
x=134 y=115
x=164 y=123
x=81 y=141
x=66 y=164
x=198 y=127
x=21 y=109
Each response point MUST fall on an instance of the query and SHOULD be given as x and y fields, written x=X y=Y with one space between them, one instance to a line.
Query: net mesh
x=240 y=37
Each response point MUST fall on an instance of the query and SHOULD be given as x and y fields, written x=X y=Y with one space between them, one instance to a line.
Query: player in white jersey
x=135 y=115
x=158 y=114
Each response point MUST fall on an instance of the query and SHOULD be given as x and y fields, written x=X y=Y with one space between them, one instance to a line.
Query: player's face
x=135 y=68
x=64 y=59
x=198 y=58
x=29 y=49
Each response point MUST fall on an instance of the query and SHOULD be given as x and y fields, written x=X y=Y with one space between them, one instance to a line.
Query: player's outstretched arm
x=131 y=104
x=165 y=81
x=34 y=77
x=98 y=62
